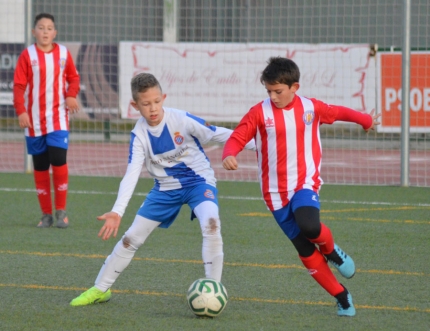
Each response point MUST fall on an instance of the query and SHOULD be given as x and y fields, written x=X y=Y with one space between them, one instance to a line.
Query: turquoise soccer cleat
x=347 y=267
x=345 y=307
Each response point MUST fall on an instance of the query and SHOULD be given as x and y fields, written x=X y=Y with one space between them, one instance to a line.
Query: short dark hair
x=142 y=82
x=280 y=70
x=43 y=15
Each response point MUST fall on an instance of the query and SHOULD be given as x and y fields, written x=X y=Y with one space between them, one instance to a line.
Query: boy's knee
x=212 y=228
x=130 y=243
x=308 y=221
x=126 y=242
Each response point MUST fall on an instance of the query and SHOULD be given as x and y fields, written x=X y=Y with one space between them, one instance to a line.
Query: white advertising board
x=12 y=21
x=221 y=81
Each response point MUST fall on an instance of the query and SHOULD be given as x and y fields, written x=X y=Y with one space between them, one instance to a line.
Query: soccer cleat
x=46 y=221
x=342 y=262
x=345 y=307
x=62 y=220
x=91 y=296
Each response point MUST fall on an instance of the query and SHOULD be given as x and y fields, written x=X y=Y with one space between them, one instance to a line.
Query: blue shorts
x=164 y=206
x=285 y=216
x=39 y=145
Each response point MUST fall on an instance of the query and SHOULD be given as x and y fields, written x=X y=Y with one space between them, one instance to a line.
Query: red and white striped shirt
x=42 y=82
x=288 y=144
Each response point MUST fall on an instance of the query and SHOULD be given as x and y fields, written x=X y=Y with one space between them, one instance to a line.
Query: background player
x=169 y=142
x=46 y=84
x=286 y=129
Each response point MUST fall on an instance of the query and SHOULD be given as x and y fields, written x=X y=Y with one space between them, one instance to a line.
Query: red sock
x=320 y=271
x=325 y=240
x=61 y=180
x=42 y=181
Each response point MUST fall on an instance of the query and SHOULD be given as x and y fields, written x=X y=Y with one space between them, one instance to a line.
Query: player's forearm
x=72 y=77
x=232 y=147
x=126 y=188
x=350 y=115
x=73 y=88
x=242 y=137
x=18 y=99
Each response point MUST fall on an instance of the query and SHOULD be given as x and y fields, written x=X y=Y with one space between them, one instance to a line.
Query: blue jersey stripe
x=200 y=147
x=130 y=149
x=202 y=122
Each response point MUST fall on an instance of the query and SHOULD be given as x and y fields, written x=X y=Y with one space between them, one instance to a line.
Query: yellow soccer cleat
x=91 y=296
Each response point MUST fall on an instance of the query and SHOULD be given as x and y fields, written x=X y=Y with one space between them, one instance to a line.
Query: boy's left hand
x=72 y=104
x=375 y=120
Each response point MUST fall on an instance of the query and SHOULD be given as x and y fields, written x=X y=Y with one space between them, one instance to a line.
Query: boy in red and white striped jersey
x=46 y=84
x=286 y=129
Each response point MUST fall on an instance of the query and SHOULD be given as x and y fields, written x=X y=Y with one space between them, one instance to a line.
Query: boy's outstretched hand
x=375 y=120
x=112 y=222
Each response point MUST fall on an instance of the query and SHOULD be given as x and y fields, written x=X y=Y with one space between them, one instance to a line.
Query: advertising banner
x=390 y=91
x=221 y=81
x=9 y=54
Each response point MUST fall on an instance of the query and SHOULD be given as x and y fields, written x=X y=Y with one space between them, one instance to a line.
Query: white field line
x=374 y=203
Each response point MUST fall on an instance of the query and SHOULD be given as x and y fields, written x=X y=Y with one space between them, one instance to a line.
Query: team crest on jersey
x=62 y=63
x=269 y=122
x=178 y=138
x=34 y=63
x=308 y=117
x=209 y=194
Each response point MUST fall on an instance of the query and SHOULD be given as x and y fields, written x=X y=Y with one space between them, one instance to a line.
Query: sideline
x=377 y=203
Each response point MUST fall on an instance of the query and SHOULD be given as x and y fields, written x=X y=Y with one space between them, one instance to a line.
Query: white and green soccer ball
x=207 y=297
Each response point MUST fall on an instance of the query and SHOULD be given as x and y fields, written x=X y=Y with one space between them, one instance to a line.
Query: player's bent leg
x=333 y=253
x=307 y=219
x=212 y=248
x=117 y=261
x=319 y=270
x=124 y=251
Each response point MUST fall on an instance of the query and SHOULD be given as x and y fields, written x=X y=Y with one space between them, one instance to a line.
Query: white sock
x=213 y=257
x=114 y=264
x=121 y=256
x=212 y=247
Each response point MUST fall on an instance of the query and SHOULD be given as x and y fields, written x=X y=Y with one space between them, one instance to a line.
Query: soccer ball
x=207 y=297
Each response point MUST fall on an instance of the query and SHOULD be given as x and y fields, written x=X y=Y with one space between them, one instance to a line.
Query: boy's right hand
x=112 y=222
x=24 y=121
x=230 y=163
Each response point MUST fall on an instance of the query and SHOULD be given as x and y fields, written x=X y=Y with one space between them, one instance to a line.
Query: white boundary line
x=7 y=189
